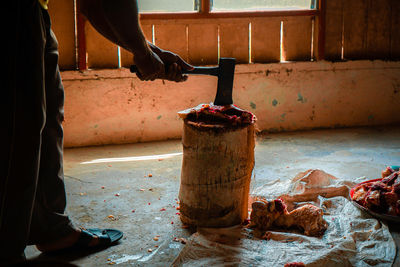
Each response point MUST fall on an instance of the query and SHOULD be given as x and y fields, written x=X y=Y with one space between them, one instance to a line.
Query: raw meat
x=308 y=218
x=381 y=196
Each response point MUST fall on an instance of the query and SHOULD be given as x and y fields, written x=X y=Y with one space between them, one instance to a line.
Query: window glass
x=146 y=6
x=252 y=5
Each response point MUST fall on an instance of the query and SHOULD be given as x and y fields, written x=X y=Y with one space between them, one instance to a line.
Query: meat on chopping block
x=218 y=159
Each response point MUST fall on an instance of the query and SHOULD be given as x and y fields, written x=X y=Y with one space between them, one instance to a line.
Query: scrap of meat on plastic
x=273 y=213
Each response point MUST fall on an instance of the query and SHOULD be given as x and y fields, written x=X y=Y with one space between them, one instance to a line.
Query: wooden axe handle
x=197 y=70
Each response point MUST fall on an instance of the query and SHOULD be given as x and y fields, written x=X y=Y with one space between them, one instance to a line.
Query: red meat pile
x=381 y=196
x=229 y=114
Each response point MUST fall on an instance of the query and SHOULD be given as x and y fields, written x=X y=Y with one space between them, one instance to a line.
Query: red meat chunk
x=381 y=196
x=294 y=264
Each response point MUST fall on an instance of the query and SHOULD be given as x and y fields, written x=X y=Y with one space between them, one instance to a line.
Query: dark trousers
x=32 y=192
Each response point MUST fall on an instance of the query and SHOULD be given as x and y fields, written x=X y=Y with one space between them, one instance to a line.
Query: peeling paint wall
x=113 y=106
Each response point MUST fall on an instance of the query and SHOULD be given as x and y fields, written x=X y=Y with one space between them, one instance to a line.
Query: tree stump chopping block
x=216 y=172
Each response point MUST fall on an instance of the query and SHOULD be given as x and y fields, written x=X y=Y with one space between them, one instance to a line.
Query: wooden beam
x=229 y=14
x=102 y=53
x=355 y=29
x=81 y=39
x=265 y=40
x=235 y=45
x=395 y=36
x=296 y=40
x=172 y=37
x=333 y=30
x=203 y=44
x=205 y=7
x=379 y=29
x=62 y=11
x=321 y=30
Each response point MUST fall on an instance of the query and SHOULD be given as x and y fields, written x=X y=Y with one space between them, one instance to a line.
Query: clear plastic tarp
x=353 y=238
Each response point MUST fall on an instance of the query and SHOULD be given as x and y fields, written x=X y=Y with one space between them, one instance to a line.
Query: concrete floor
x=128 y=186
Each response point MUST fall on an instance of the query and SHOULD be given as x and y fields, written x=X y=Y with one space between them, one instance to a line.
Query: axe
x=224 y=72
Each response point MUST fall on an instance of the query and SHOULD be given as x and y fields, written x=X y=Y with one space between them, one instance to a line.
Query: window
x=162 y=6
x=253 y=5
x=173 y=6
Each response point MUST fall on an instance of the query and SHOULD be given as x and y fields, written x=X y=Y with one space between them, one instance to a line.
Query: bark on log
x=216 y=172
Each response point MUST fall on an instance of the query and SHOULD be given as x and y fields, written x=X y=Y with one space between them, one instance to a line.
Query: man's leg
x=51 y=229
x=49 y=223
x=24 y=119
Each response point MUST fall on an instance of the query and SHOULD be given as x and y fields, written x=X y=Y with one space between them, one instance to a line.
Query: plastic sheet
x=353 y=238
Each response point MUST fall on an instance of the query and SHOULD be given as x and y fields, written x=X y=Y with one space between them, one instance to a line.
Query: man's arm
x=118 y=21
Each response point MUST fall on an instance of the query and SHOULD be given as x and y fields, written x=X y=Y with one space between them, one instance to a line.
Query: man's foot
x=84 y=239
x=66 y=242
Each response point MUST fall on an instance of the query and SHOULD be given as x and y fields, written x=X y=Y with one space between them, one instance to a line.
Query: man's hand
x=174 y=65
x=150 y=66
x=161 y=64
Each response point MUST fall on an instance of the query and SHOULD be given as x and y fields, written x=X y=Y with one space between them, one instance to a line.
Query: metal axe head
x=225 y=81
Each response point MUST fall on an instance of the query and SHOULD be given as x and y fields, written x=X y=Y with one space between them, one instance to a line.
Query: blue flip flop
x=107 y=237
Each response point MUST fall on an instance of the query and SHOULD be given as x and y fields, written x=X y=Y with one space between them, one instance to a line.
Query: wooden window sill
x=229 y=14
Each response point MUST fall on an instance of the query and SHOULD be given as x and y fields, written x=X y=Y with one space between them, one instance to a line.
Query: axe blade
x=225 y=81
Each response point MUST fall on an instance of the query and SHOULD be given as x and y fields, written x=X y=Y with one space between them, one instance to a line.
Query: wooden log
x=216 y=173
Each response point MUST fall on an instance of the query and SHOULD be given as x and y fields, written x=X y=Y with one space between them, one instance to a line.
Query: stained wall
x=113 y=106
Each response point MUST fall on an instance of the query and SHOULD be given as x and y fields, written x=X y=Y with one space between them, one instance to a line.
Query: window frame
x=205 y=12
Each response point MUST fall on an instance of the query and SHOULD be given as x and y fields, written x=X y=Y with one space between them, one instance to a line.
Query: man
x=32 y=193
